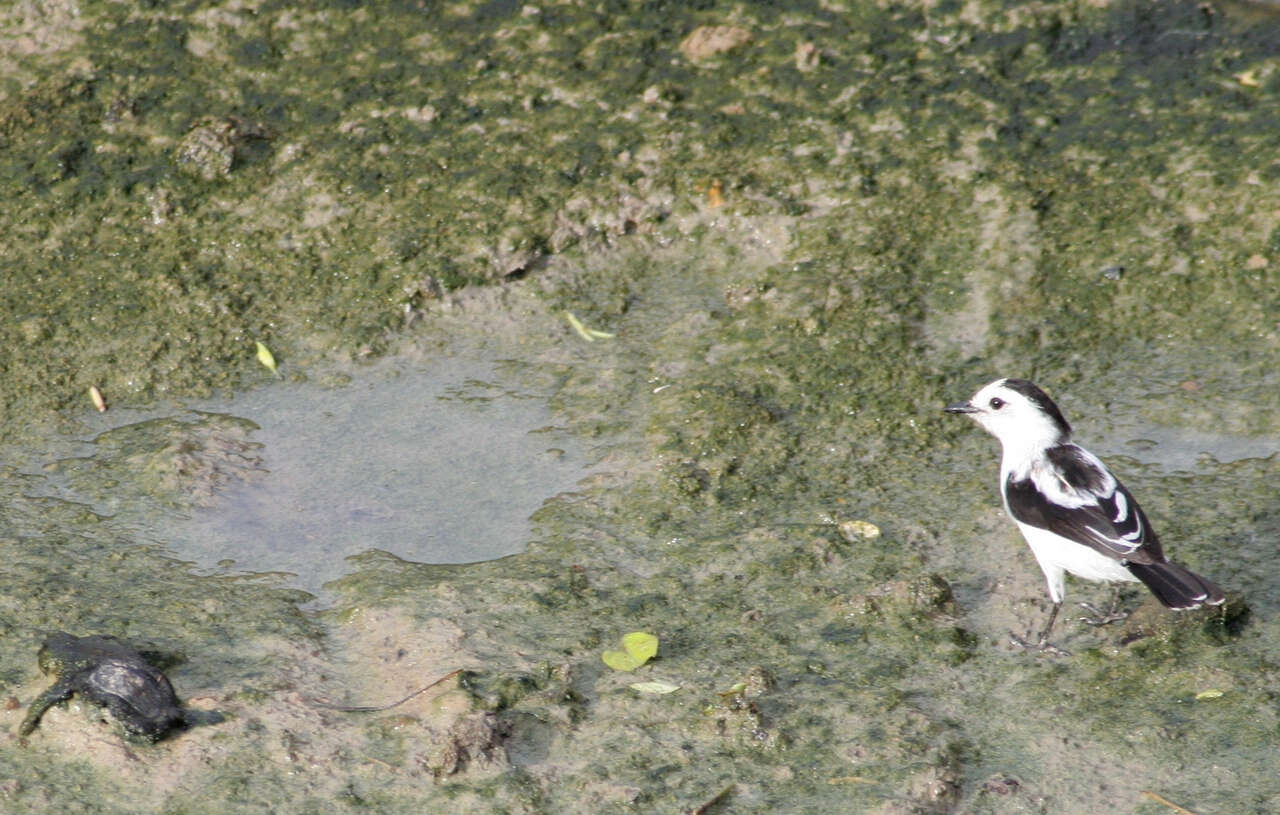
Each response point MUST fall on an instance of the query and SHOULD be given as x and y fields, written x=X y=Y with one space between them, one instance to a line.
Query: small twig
x=717 y=798
x=377 y=708
x=1160 y=799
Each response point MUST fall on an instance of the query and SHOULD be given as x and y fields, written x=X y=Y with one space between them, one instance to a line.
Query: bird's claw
x=1041 y=644
x=1099 y=618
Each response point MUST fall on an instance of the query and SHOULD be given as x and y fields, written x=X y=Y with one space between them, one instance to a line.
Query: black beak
x=960 y=407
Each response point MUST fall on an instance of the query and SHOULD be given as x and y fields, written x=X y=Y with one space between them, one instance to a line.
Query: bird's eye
x=996 y=403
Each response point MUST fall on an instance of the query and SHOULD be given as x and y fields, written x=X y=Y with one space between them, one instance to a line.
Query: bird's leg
x=1115 y=615
x=1042 y=642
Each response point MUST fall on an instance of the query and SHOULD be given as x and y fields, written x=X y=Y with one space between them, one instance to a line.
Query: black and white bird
x=1075 y=515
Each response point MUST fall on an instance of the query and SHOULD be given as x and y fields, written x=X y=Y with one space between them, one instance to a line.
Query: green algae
x=400 y=137
x=932 y=204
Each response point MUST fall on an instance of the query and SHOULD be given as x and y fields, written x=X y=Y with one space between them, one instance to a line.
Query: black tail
x=1177 y=587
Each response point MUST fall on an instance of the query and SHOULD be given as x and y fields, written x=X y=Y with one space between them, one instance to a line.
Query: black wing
x=1072 y=494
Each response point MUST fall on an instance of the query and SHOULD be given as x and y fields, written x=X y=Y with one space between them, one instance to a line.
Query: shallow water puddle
x=441 y=462
x=444 y=466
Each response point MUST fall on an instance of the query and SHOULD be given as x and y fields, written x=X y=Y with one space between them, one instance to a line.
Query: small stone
x=1001 y=784
x=807 y=56
x=709 y=40
x=209 y=148
x=854 y=531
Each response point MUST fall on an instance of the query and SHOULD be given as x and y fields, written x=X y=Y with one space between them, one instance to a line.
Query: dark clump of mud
x=183 y=462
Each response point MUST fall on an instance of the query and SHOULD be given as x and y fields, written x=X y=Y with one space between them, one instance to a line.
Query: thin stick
x=717 y=798
x=1160 y=799
x=377 y=708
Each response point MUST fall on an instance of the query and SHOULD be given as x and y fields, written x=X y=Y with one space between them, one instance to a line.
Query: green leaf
x=734 y=690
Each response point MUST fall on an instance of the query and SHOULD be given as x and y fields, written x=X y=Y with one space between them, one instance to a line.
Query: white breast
x=1056 y=554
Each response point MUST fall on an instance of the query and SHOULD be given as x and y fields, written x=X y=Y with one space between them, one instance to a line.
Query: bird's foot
x=1040 y=644
x=1099 y=618
x=1114 y=615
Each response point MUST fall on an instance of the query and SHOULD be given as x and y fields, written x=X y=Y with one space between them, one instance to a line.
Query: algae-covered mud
x=741 y=256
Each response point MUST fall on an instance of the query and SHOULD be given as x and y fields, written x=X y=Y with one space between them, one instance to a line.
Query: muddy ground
x=799 y=232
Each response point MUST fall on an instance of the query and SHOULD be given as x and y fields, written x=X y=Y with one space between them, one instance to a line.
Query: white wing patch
x=1124 y=534
x=1122 y=508
x=1127 y=541
x=1057 y=489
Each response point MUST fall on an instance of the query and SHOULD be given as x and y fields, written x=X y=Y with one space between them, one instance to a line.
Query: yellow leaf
x=588 y=334
x=654 y=687
x=637 y=649
x=640 y=645
x=1248 y=78
x=267 y=359
x=577 y=326
x=1212 y=693
x=620 y=660
x=98 y=401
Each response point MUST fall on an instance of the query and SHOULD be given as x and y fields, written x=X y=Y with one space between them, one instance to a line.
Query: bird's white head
x=1019 y=414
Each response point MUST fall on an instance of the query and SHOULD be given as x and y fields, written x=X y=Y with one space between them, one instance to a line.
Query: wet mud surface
x=785 y=240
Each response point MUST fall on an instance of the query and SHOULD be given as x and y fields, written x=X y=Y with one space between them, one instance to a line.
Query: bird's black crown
x=1041 y=400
